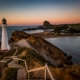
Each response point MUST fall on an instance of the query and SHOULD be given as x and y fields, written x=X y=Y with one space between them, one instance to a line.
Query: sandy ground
x=47 y=35
x=43 y=35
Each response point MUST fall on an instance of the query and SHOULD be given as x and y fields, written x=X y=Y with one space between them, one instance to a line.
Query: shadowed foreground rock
x=48 y=51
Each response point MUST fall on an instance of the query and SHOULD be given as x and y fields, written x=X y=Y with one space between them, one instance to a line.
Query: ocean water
x=10 y=29
x=70 y=45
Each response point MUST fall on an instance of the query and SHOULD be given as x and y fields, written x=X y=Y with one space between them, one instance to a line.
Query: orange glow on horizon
x=21 y=21
x=41 y=23
x=36 y=12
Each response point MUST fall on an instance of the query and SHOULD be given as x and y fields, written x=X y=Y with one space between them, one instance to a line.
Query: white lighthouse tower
x=4 y=43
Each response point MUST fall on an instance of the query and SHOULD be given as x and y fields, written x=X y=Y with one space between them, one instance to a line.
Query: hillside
x=47 y=24
x=34 y=60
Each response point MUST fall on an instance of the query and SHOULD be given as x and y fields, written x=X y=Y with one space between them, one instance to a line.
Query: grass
x=31 y=55
x=11 y=74
x=10 y=53
x=67 y=73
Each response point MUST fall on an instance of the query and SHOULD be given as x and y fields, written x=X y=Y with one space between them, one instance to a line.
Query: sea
x=11 y=29
x=69 y=45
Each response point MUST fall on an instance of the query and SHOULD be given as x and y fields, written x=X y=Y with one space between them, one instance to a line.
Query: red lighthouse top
x=4 y=21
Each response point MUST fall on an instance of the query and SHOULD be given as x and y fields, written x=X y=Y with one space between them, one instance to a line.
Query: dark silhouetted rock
x=46 y=24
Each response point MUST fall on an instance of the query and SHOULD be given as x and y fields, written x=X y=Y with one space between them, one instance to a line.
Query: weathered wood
x=32 y=70
x=45 y=74
x=26 y=66
x=49 y=72
x=46 y=68
x=19 y=59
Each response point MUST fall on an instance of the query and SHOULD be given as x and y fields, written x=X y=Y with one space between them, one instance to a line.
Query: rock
x=46 y=24
x=69 y=57
x=18 y=35
x=48 y=51
x=29 y=29
x=24 y=43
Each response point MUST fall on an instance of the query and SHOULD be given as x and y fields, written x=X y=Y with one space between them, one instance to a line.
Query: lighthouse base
x=4 y=43
x=5 y=49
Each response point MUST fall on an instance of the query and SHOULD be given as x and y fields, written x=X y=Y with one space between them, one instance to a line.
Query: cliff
x=45 y=49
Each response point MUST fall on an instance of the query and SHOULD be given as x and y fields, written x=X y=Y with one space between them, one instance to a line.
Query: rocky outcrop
x=24 y=43
x=48 y=51
x=46 y=24
x=18 y=35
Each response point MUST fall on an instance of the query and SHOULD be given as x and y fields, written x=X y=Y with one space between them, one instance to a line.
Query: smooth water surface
x=70 y=45
x=34 y=31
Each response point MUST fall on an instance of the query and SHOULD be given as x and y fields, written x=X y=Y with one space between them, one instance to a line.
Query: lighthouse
x=4 y=42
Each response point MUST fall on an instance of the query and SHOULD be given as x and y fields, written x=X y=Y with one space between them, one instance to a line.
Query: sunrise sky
x=35 y=12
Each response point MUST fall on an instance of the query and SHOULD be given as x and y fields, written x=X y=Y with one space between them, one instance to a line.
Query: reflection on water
x=34 y=31
x=70 y=45
x=37 y=31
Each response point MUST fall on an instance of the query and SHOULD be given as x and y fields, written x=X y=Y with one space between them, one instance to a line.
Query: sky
x=35 y=12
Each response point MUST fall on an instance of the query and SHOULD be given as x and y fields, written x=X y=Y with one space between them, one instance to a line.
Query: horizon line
x=42 y=24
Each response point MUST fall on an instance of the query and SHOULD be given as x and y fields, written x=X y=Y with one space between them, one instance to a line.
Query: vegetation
x=74 y=25
x=0 y=72
x=60 y=28
x=67 y=29
x=70 y=28
x=1 y=54
x=67 y=73
x=10 y=53
x=74 y=30
x=21 y=49
x=31 y=55
x=11 y=74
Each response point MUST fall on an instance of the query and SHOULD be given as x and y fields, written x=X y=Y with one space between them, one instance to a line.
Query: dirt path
x=3 y=74
x=21 y=74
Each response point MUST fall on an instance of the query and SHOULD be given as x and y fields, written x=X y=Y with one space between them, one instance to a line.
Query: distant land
x=57 y=25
